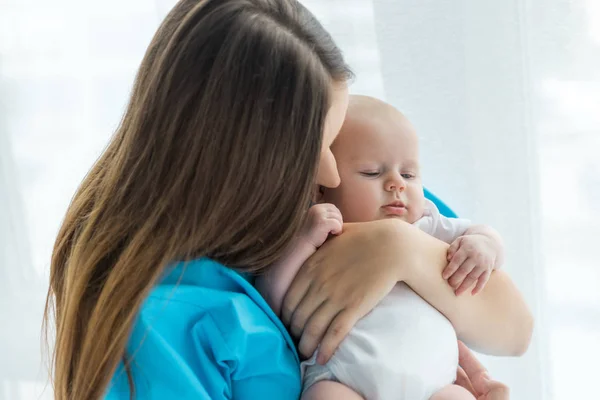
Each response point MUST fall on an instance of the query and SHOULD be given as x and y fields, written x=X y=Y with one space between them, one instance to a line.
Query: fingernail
x=320 y=359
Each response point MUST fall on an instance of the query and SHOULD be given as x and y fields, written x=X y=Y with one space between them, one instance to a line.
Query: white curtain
x=505 y=96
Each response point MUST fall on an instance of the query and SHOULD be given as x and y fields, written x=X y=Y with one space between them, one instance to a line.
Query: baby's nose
x=395 y=184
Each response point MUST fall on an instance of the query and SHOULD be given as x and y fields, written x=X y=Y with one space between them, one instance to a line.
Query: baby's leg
x=452 y=392
x=325 y=390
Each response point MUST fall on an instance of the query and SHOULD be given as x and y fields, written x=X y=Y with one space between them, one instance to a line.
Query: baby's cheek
x=358 y=208
x=353 y=210
x=417 y=211
x=414 y=216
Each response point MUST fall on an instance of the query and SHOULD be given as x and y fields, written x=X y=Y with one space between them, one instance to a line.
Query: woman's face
x=327 y=174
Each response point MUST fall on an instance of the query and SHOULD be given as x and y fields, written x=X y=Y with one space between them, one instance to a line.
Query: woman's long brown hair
x=215 y=156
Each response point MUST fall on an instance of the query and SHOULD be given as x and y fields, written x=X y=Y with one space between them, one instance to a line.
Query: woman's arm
x=348 y=276
x=496 y=321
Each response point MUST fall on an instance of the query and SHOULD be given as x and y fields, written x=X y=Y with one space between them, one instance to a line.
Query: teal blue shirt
x=206 y=333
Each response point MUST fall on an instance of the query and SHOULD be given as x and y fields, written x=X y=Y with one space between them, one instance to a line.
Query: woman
x=225 y=138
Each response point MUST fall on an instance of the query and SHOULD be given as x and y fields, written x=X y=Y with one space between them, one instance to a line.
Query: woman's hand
x=474 y=377
x=348 y=276
x=343 y=281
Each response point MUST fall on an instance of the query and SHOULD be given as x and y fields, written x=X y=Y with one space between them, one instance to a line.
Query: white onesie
x=402 y=350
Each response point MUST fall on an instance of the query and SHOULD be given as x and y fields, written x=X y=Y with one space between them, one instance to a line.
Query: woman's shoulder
x=209 y=326
x=203 y=286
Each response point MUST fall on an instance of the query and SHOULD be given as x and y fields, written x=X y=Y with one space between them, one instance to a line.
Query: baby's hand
x=322 y=219
x=471 y=259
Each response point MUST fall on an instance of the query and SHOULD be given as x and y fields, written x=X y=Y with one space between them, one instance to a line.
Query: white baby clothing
x=404 y=349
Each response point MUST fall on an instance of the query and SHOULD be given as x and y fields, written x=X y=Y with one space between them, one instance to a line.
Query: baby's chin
x=406 y=217
x=400 y=217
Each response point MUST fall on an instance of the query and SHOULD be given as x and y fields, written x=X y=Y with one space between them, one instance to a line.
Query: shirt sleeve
x=449 y=229
x=229 y=350
x=243 y=355
x=441 y=227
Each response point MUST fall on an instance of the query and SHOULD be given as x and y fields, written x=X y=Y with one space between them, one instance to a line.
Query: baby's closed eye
x=370 y=174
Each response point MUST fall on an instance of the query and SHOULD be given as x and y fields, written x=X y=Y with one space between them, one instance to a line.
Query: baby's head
x=377 y=153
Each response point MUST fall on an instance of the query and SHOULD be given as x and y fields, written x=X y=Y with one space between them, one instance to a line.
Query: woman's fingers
x=463 y=380
x=305 y=310
x=479 y=378
x=469 y=363
x=293 y=297
x=498 y=391
x=337 y=331
x=316 y=327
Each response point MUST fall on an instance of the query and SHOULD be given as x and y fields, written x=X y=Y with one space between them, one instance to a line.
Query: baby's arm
x=273 y=284
x=322 y=220
x=472 y=258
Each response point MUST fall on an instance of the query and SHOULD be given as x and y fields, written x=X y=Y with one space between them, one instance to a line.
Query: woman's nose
x=333 y=179
x=328 y=174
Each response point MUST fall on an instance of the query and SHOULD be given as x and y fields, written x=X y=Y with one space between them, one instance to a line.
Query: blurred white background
x=505 y=95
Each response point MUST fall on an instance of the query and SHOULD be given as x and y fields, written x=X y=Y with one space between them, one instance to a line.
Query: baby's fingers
x=457 y=260
x=481 y=282
x=453 y=249
x=335 y=214
x=335 y=225
x=469 y=280
x=459 y=276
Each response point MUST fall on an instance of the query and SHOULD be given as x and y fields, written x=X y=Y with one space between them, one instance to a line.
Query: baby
x=404 y=348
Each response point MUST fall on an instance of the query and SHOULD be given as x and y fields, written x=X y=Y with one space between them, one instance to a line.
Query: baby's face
x=377 y=154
